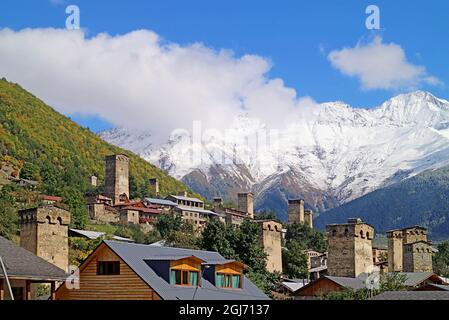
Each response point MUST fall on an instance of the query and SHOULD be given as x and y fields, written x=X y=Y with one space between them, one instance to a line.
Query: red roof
x=52 y=198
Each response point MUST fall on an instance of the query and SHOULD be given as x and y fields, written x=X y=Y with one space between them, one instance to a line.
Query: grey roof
x=162 y=202
x=89 y=234
x=21 y=263
x=352 y=283
x=95 y=235
x=413 y=295
x=199 y=210
x=134 y=255
x=415 y=278
x=186 y=198
x=293 y=286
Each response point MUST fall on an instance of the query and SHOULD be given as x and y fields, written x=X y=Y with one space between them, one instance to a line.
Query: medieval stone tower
x=295 y=211
x=271 y=241
x=116 y=184
x=308 y=218
x=418 y=257
x=402 y=253
x=246 y=203
x=154 y=184
x=44 y=232
x=350 y=248
x=394 y=250
x=297 y=214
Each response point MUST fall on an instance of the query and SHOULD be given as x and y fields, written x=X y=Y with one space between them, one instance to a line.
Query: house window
x=224 y=280
x=108 y=268
x=184 y=278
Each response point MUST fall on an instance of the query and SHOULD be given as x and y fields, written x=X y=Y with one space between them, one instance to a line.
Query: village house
x=24 y=271
x=118 y=270
x=192 y=210
x=329 y=284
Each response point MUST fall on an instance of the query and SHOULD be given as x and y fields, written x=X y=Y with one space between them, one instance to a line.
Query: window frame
x=230 y=275
x=187 y=272
x=103 y=268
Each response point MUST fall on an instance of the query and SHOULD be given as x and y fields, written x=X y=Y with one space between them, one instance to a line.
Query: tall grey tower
x=116 y=184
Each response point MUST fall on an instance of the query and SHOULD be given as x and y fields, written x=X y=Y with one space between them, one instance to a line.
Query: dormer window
x=229 y=275
x=185 y=271
x=184 y=277
x=231 y=281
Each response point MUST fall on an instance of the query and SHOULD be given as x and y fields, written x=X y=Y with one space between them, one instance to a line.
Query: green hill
x=421 y=200
x=38 y=143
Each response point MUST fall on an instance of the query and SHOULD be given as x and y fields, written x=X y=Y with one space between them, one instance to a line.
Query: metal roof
x=415 y=278
x=89 y=234
x=162 y=202
x=21 y=263
x=294 y=286
x=413 y=295
x=199 y=210
x=134 y=255
x=95 y=235
x=186 y=198
x=352 y=283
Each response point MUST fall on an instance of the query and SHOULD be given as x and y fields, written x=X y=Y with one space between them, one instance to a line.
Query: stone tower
x=308 y=218
x=350 y=248
x=246 y=203
x=397 y=240
x=154 y=184
x=271 y=241
x=394 y=250
x=296 y=211
x=44 y=232
x=116 y=184
x=417 y=257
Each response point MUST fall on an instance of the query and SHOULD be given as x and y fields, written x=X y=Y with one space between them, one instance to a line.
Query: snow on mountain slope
x=329 y=155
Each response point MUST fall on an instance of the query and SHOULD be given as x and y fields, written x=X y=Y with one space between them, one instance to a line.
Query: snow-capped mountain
x=329 y=154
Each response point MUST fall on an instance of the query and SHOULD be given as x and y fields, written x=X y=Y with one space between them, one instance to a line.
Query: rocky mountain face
x=328 y=155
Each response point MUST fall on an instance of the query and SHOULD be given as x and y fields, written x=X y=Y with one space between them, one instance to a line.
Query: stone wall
x=101 y=213
x=395 y=251
x=350 y=249
x=418 y=257
x=44 y=232
x=117 y=177
x=271 y=241
x=295 y=211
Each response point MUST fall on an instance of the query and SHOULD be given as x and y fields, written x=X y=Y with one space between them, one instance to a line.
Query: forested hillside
x=422 y=200
x=38 y=143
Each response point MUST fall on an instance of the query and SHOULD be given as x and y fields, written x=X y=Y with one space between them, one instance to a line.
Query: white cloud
x=380 y=65
x=137 y=80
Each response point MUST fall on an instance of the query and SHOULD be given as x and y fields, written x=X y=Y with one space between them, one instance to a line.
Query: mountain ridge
x=330 y=154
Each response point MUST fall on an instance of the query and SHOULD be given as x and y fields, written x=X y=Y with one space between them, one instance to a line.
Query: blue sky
x=295 y=36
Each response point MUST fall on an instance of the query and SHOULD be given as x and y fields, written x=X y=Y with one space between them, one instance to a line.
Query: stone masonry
x=44 y=232
x=117 y=177
x=397 y=242
x=418 y=257
x=271 y=241
x=350 y=248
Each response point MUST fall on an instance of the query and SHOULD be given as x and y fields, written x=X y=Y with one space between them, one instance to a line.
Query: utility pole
x=6 y=277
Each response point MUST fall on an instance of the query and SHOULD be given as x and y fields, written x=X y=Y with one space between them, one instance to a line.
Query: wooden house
x=125 y=271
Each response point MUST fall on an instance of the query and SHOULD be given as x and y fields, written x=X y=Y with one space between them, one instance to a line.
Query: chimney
x=308 y=218
x=154 y=183
x=182 y=194
x=246 y=203
x=295 y=211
